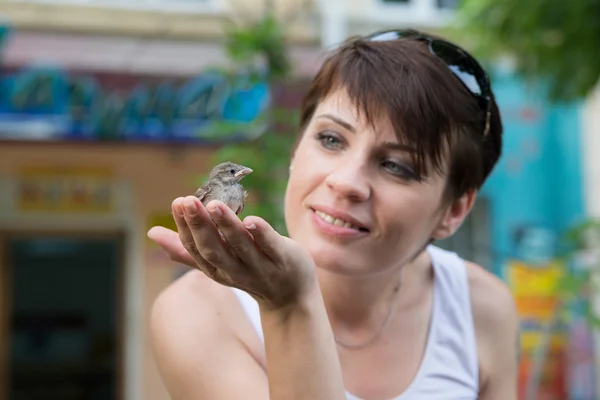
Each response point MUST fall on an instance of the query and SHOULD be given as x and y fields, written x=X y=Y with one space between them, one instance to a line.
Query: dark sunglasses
x=468 y=71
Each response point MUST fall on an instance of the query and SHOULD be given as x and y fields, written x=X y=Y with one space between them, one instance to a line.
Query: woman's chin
x=339 y=262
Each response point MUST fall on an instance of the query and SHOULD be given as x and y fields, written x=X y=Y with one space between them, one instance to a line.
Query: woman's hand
x=250 y=256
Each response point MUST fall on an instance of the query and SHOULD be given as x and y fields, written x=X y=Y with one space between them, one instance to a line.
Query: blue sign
x=5 y=32
x=49 y=103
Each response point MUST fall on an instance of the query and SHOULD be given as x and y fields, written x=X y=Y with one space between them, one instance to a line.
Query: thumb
x=266 y=238
x=171 y=244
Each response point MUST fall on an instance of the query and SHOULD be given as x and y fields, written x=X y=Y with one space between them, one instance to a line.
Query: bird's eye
x=232 y=171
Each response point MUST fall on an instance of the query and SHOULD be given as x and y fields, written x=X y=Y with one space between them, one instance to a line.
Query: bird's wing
x=202 y=192
x=241 y=208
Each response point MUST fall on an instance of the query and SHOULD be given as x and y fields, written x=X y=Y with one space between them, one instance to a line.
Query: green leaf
x=267 y=144
x=555 y=43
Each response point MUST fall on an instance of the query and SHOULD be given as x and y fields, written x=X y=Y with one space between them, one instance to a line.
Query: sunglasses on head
x=468 y=71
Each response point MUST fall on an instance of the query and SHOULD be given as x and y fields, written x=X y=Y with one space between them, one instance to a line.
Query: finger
x=200 y=235
x=187 y=240
x=266 y=238
x=238 y=238
x=171 y=244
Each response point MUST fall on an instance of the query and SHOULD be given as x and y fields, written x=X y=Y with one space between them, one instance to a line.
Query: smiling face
x=353 y=198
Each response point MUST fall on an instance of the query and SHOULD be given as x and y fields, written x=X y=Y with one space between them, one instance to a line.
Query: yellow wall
x=182 y=24
x=155 y=176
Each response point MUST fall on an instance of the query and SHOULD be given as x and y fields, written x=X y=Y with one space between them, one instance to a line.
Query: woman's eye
x=398 y=169
x=329 y=140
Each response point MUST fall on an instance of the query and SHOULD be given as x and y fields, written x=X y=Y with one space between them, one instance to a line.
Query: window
x=424 y=13
x=156 y=5
x=447 y=4
x=422 y=4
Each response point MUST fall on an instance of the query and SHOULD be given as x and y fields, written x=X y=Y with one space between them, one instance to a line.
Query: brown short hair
x=429 y=108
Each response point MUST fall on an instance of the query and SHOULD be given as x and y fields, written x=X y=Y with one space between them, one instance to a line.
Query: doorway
x=62 y=316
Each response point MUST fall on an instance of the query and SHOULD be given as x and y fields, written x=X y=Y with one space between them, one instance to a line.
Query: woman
x=398 y=132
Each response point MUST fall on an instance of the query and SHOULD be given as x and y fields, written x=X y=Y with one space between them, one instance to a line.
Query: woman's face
x=353 y=199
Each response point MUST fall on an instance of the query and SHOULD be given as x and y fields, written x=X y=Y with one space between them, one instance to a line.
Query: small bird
x=224 y=184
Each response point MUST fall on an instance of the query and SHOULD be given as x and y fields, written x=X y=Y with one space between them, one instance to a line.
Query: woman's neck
x=356 y=304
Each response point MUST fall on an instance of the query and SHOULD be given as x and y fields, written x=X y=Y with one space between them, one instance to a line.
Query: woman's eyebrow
x=349 y=127
x=398 y=146
x=341 y=122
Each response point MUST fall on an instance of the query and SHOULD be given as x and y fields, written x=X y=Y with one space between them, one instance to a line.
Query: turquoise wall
x=538 y=181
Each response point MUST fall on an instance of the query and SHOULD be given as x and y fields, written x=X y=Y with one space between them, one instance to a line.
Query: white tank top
x=449 y=369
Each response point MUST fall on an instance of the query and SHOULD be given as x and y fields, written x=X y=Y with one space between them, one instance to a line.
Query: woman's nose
x=350 y=182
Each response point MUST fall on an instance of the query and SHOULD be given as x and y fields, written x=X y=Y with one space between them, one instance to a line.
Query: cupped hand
x=249 y=255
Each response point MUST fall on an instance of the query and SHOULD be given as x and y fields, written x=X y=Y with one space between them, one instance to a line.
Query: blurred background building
x=90 y=159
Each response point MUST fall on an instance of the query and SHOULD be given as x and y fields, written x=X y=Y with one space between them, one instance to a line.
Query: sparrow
x=224 y=184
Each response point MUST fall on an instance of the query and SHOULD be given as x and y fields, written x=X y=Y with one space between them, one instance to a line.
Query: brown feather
x=202 y=192
x=224 y=184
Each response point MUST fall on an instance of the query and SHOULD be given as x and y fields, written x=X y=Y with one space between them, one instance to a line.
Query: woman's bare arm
x=301 y=353
x=200 y=357
x=197 y=354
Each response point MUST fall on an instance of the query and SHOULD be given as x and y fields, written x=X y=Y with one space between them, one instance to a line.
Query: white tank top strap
x=449 y=369
x=251 y=309
x=452 y=370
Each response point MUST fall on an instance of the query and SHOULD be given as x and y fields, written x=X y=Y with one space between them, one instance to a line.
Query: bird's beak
x=243 y=172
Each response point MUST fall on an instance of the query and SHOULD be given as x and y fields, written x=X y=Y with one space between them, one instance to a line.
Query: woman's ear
x=454 y=215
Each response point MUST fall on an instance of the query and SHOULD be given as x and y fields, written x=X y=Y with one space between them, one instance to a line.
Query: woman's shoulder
x=492 y=302
x=194 y=287
x=495 y=320
x=192 y=291
x=196 y=306
x=193 y=302
x=197 y=333
x=490 y=297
